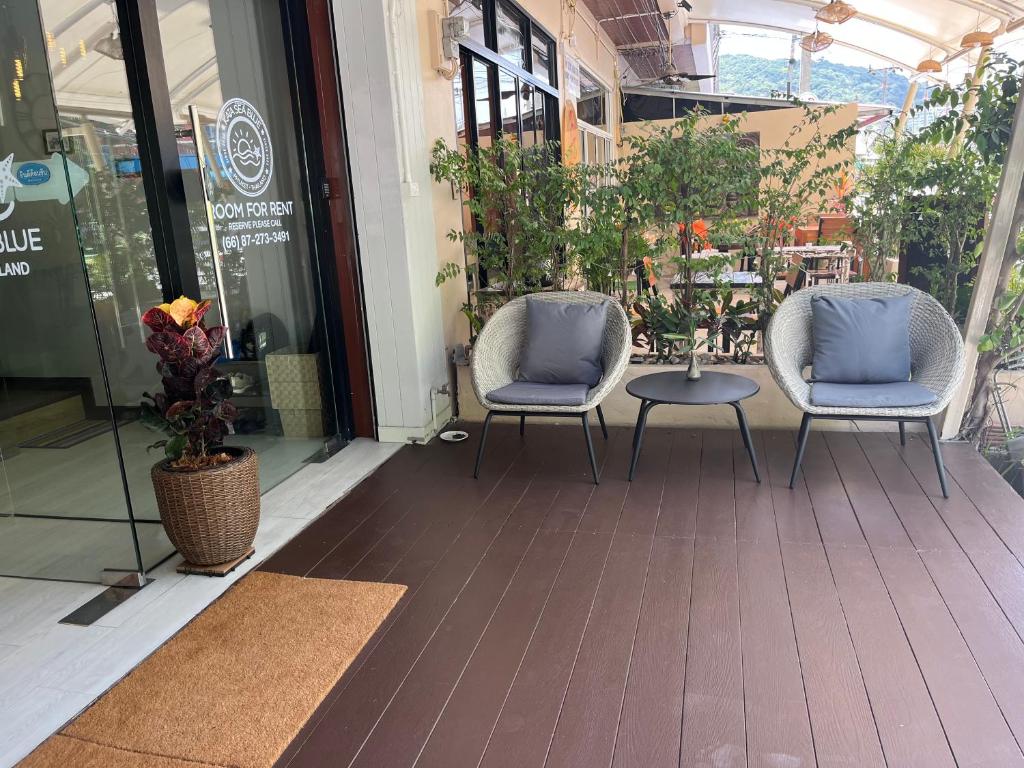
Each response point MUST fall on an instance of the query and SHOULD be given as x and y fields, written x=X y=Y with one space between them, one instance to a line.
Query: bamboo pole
x=971 y=102
x=908 y=104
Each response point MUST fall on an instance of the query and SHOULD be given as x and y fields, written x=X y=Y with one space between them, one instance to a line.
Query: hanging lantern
x=977 y=39
x=836 y=12
x=816 y=41
x=929 y=65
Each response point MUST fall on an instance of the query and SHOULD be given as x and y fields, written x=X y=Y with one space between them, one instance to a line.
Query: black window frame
x=489 y=55
x=471 y=50
x=529 y=28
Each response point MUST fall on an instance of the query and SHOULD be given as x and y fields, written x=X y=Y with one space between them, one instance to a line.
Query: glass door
x=78 y=266
x=230 y=92
x=67 y=231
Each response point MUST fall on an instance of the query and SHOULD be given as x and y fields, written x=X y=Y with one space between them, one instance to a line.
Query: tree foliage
x=830 y=81
x=795 y=179
x=518 y=200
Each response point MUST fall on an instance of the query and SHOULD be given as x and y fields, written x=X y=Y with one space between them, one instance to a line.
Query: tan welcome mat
x=234 y=686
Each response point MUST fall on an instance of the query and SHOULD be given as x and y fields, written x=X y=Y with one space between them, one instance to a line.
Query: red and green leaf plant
x=193 y=410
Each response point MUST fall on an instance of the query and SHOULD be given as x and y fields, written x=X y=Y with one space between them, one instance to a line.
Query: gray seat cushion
x=861 y=341
x=897 y=394
x=563 y=342
x=531 y=393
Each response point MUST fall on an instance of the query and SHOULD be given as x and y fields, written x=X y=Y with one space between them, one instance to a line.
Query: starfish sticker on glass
x=7 y=181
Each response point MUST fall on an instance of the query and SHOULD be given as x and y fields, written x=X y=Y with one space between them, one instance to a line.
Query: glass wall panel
x=63 y=509
x=542 y=56
x=526 y=107
x=539 y=102
x=482 y=91
x=592 y=103
x=507 y=85
x=473 y=12
x=511 y=40
x=231 y=100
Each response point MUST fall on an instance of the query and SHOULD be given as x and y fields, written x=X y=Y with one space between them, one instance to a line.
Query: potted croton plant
x=208 y=493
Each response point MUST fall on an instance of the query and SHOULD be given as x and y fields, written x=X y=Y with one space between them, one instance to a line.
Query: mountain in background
x=753 y=76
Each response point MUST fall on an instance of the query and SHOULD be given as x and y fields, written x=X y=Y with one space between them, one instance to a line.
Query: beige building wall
x=774 y=126
x=576 y=33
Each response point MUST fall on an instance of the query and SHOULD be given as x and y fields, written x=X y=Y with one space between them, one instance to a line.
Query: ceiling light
x=977 y=39
x=929 y=65
x=836 y=12
x=816 y=41
x=109 y=44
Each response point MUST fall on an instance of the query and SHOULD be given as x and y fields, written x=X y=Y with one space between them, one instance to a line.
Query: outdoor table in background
x=706 y=280
x=821 y=262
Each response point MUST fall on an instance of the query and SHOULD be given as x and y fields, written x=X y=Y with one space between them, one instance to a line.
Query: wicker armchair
x=936 y=352
x=495 y=363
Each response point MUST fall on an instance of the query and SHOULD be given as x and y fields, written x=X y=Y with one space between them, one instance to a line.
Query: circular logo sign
x=243 y=143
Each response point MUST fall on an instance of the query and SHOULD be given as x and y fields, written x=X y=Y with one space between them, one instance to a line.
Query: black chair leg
x=590 y=446
x=483 y=440
x=638 y=435
x=801 y=444
x=903 y=433
x=933 y=435
x=600 y=417
x=522 y=426
x=748 y=443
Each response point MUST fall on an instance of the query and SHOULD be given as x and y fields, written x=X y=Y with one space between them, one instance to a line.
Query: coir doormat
x=234 y=687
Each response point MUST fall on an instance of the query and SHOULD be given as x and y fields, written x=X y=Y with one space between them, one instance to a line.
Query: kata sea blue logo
x=33 y=174
x=243 y=143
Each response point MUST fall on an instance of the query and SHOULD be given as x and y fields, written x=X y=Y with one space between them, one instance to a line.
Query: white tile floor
x=39 y=481
x=49 y=672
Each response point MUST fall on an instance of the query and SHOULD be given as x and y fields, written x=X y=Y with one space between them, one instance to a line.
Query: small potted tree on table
x=208 y=493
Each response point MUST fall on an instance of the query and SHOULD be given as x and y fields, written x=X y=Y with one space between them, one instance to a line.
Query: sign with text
x=31 y=180
x=245 y=158
x=572 y=75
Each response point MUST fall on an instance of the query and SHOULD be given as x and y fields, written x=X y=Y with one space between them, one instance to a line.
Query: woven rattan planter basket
x=210 y=515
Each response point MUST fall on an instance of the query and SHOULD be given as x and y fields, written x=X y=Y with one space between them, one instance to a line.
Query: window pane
x=511 y=44
x=473 y=12
x=482 y=91
x=542 y=57
x=538 y=111
x=509 y=103
x=460 y=110
x=591 y=106
x=526 y=106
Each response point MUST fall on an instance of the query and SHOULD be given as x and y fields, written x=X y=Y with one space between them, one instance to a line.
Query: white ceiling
x=96 y=84
x=902 y=32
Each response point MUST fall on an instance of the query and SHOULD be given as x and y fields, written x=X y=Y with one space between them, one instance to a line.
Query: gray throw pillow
x=861 y=341
x=563 y=342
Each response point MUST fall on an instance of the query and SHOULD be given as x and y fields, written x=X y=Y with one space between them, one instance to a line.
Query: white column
x=379 y=64
x=908 y=104
x=989 y=265
x=805 y=72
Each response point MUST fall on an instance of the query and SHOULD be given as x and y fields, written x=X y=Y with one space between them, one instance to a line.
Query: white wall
x=379 y=64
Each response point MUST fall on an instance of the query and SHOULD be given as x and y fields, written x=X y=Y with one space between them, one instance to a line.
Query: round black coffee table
x=673 y=388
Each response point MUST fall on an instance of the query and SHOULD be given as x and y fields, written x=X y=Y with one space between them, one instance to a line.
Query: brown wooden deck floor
x=692 y=618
